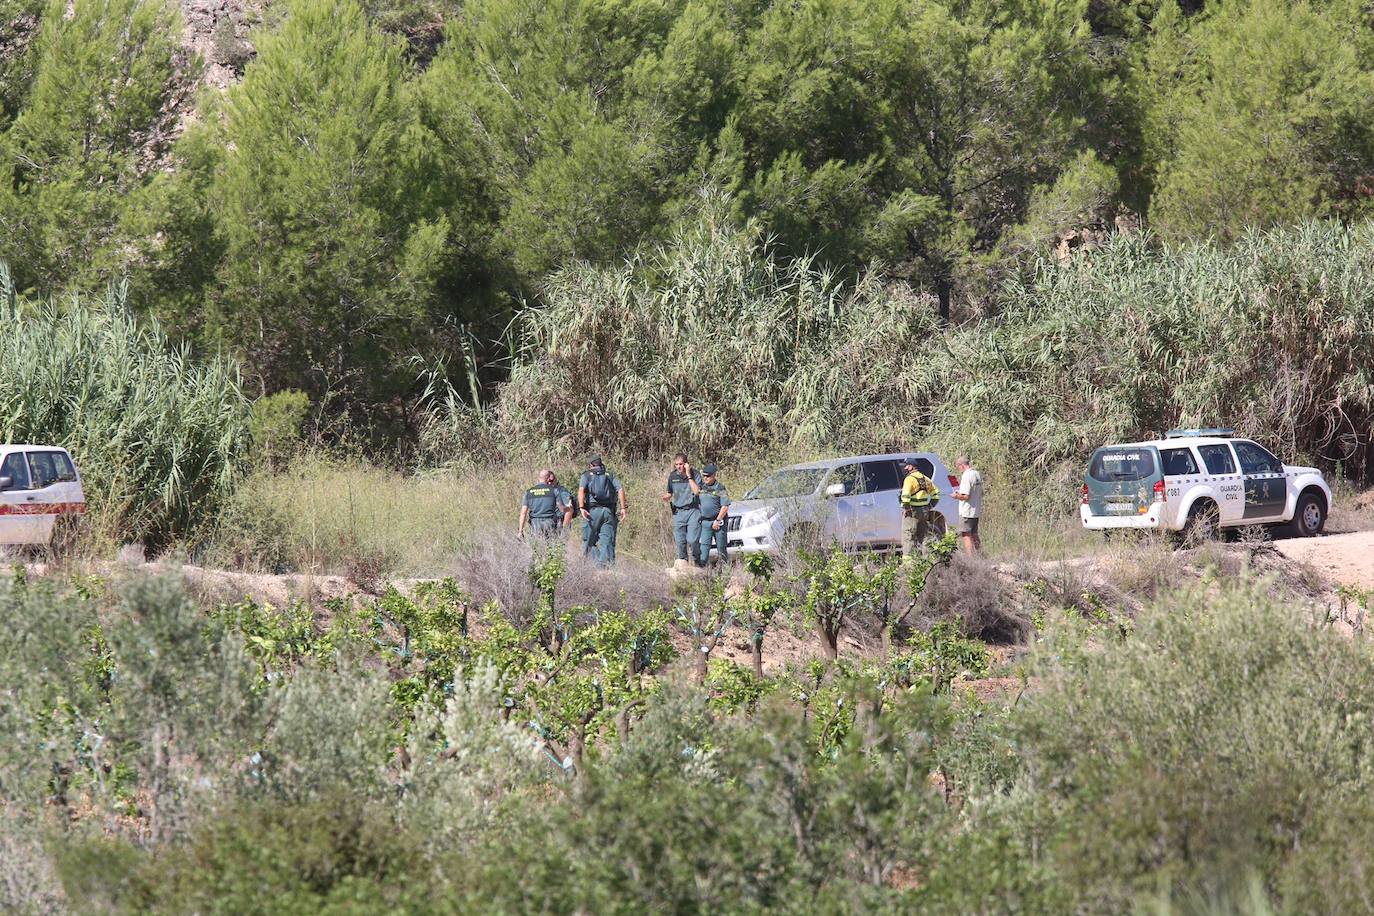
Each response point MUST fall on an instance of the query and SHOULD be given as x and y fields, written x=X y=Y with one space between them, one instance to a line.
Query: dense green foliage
x=362 y=215
x=74 y=156
x=714 y=343
x=410 y=755
x=331 y=248
x=158 y=436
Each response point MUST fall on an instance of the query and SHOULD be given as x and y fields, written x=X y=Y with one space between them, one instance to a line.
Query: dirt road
x=1345 y=558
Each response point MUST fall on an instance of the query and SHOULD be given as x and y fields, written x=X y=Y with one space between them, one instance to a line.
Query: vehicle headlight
x=759 y=516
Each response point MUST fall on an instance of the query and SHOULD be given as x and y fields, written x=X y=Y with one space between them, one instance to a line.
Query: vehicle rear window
x=881 y=475
x=1113 y=464
x=1218 y=459
x=15 y=468
x=50 y=468
x=1178 y=462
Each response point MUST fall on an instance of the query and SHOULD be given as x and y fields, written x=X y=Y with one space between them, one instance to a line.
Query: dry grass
x=973 y=592
x=497 y=569
x=326 y=516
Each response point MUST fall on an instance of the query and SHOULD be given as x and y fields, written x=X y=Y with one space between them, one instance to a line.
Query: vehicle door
x=1224 y=479
x=844 y=488
x=56 y=489
x=882 y=487
x=16 y=502
x=1266 y=489
x=1182 y=474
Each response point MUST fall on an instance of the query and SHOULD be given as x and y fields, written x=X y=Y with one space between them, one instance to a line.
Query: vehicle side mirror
x=6 y=483
x=835 y=489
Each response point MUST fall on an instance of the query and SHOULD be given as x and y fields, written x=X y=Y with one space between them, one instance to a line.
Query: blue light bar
x=1215 y=431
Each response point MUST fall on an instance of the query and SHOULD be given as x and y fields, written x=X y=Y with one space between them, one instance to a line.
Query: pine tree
x=1259 y=116
x=325 y=195
x=102 y=80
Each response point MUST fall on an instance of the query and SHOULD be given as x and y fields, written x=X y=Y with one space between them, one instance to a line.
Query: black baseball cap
x=709 y=469
x=595 y=462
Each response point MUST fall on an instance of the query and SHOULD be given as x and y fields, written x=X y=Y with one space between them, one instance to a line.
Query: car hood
x=1299 y=469
x=745 y=506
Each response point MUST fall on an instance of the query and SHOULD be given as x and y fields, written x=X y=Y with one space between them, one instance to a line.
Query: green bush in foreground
x=1218 y=755
x=156 y=435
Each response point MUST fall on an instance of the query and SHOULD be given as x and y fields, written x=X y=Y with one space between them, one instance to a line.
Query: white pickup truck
x=38 y=484
x=1198 y=481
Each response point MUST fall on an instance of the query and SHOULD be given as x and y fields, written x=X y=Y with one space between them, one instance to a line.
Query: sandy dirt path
x=1345 y=558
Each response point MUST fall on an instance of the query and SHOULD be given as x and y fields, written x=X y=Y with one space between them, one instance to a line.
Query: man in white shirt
x=970 y=498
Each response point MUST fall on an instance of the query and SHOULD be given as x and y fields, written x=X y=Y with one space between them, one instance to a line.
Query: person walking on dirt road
x=970 y=496
x=683 y=496
x=918 y=495
x=598 y=493
x=543 y=507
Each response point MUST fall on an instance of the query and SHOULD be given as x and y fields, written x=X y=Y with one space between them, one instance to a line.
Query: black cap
x=908 y=463
x=595 y=462
x=709 y=469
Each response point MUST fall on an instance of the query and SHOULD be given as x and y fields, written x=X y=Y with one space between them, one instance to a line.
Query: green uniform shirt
x=602 y=488
x=680 y=489
x=544 y=501
x=713 y=497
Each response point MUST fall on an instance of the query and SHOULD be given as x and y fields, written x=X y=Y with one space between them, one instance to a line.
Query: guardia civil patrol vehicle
x=1197 y=482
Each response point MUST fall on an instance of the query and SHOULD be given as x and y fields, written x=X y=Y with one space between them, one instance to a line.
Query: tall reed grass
x=157 y=435
x=710 y=343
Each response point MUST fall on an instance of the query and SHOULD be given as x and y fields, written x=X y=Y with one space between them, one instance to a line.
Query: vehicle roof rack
x=1219 y=432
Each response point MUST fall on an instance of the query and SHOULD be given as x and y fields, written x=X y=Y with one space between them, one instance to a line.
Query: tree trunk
x=829 y=638
x=622 y=721
x=887 y=642
x=944 y=290
x=703 y=655
x=756 y=650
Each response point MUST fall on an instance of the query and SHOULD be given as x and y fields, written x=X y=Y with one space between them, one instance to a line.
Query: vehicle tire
x=938 y=525
x=1309 y=516
x=1203 y=525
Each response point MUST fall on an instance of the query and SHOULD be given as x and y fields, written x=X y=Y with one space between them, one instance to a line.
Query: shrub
x=972 y=593
x=156 y=435
x=1197 y=720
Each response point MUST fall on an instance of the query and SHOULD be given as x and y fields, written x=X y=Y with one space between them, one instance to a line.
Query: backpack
x=600 y=490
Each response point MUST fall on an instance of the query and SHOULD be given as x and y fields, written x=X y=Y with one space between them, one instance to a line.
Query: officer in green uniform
x=569 y=504
x=715 y=502
x=543 y=507
x=598 y=492
x=682 y=497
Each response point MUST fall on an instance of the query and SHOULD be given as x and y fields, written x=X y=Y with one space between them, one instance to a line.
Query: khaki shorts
x=967 y=525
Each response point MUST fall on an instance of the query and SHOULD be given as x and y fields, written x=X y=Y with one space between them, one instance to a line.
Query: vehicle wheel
x=1309 y=517
x=938 y=525
x=1204 y=523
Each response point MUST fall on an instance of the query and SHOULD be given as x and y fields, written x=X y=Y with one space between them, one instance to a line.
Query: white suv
x=1200 y=480
x=38 y=483
x=851 y=501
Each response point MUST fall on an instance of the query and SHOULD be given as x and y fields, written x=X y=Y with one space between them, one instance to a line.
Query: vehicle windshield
x=1117 y=463
x=788 y=483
